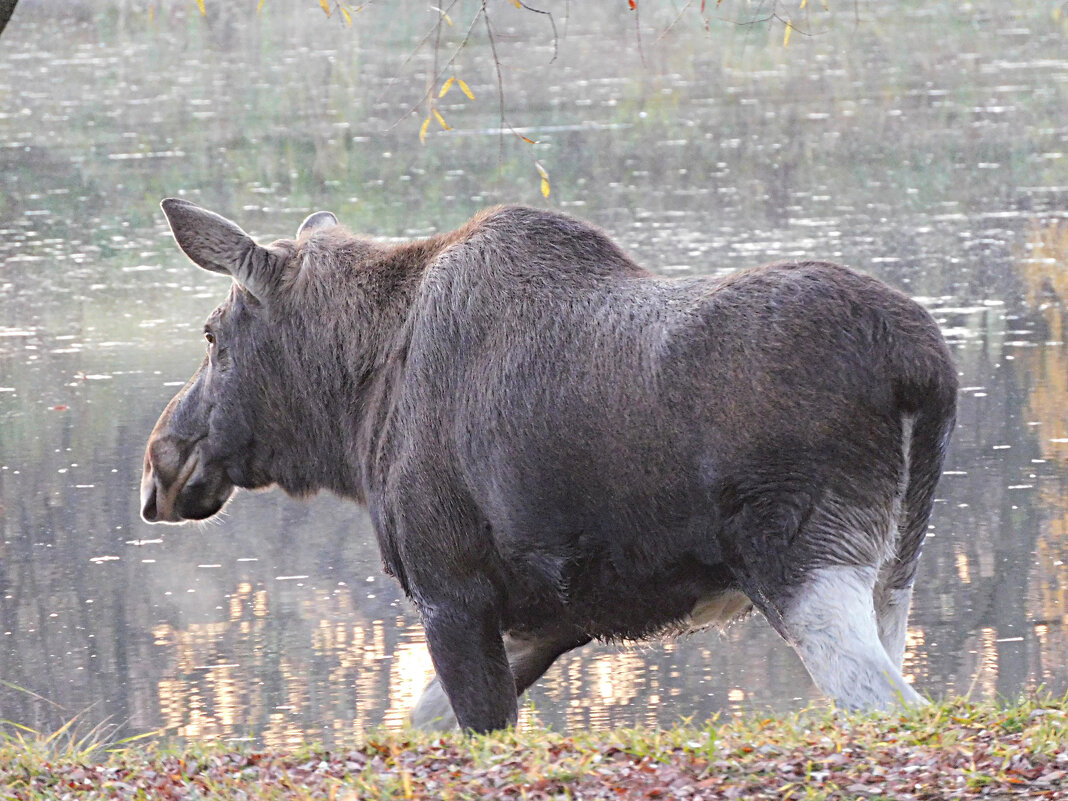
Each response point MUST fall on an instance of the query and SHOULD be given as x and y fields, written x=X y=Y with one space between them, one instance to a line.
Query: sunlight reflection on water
x=275 y=623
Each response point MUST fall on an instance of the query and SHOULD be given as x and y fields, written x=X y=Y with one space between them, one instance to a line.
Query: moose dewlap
x=556 y=445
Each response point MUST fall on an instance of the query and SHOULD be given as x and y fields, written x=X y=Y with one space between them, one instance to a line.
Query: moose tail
x=928 y=411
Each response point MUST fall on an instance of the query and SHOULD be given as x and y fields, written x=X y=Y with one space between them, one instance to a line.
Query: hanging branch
x=552 y=22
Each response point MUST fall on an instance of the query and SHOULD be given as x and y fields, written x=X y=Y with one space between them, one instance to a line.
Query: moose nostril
x=149 y=512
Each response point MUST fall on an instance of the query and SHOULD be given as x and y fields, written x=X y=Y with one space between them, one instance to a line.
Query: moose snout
x=166 y=471
x=180 y=484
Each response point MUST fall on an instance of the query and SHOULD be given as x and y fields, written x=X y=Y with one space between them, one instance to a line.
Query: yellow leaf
x=203 y=11
x=1057 y=13
x=344 y=12
x=441 y=120
x=465 y=88
x=259 y=7
x=325 y=4
x=541 y=171
x=422 y=130
x=545 y=187
x=527 y=139
x=445 y=16
x=804 y=3
x=151 y=12
x=517 y=3
x=447 y=86
x=786 y=36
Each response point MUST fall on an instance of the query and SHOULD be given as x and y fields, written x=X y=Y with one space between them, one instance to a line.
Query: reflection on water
x=1044 y=269
x=922 y=147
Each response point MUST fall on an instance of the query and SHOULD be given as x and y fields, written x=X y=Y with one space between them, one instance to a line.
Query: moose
x=556 y=445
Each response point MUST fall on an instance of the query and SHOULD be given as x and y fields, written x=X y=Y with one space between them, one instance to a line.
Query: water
x=927 y=147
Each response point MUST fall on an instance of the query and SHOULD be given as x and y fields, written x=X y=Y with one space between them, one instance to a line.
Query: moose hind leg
x=433 y=712
x=892 y=614
x=530 y=655
x=831 y=623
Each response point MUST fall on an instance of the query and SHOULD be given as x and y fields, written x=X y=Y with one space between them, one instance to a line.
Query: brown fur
x=553 y=442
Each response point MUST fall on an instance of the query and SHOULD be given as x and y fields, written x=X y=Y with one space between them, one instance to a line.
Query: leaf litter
x=950 y=750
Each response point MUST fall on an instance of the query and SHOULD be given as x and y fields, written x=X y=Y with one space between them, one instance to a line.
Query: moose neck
x=344 y=374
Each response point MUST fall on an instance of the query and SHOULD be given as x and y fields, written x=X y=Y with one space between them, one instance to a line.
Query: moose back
x=556 y=445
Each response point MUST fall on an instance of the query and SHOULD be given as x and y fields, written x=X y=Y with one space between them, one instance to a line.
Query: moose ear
x=320 y=219
x=214 y=243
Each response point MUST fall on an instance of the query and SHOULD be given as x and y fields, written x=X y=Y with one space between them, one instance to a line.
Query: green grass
x=953 y=748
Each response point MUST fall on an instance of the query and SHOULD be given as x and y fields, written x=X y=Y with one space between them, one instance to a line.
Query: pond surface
x=927 y=147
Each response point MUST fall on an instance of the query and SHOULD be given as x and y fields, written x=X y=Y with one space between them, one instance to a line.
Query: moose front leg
x=468 y=653
x=529 y=656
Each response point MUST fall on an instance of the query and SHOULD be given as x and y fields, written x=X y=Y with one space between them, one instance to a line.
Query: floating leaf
x=325 y=5
x=440 y=119
x=447 y=86
x=203 y=11
x=527 y=139
x=786 y=36
x=465 y=88
x=422 y=130
x=344 y=12
x=545 y=187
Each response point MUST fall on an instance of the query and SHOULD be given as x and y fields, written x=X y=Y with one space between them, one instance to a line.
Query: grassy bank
x=954 y=749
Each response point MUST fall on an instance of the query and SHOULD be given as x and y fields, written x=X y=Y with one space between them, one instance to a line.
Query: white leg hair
x=892 y=614
x=892 y=605
x=433 y=712
x=832 y=625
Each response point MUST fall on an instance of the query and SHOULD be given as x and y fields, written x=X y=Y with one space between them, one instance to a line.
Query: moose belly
x=717 y=610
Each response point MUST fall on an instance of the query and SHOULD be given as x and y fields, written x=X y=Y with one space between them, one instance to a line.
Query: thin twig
x=638 y=32
x=432 y=78
x=677 y=18
x=416 y=49
x=556 y=39
x=500 y=82
x=438 y=73
x=790 y=24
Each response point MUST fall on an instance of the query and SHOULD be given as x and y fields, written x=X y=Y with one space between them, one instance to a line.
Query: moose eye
x=210 y=337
